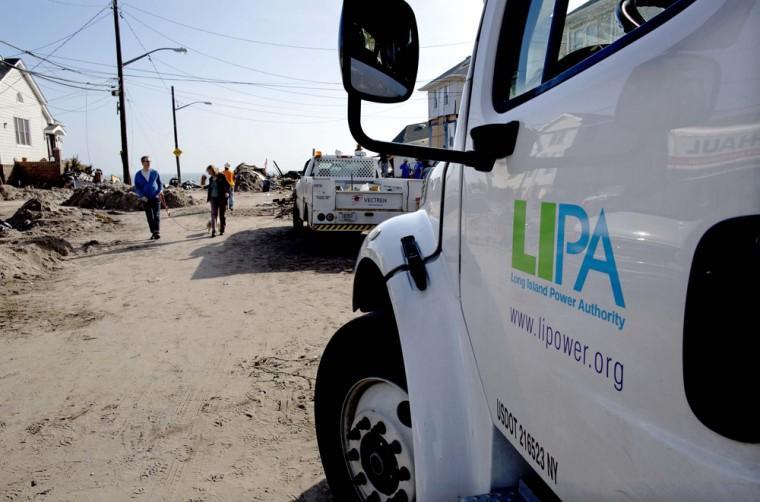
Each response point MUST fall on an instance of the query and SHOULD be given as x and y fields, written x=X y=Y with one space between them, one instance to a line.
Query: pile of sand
x=38 y=238
x=28 y=258
x=122 y=198
x=44 y=218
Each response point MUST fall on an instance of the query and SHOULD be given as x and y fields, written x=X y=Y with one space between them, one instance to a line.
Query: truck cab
x=570 y=312
x=345 y=193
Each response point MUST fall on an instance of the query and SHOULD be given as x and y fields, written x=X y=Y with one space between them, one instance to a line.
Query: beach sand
x=181 y=369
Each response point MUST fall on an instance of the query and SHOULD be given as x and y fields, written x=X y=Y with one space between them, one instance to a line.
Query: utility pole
x=127 y=178
x=176 y=143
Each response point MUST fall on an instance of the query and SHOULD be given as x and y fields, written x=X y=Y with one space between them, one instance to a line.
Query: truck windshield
x=345 y=168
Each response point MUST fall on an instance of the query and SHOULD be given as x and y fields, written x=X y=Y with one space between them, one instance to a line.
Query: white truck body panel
x=609 y=418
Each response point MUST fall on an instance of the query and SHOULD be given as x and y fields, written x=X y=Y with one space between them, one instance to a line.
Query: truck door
x=576 y=249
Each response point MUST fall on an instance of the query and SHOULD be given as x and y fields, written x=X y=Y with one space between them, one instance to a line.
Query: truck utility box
x=348 y=194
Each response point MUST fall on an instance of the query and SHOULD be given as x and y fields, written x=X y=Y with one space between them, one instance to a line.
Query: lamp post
x=177 y=151
x=120 y=91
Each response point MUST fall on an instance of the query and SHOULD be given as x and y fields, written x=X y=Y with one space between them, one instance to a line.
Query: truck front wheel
x=297 y=221
x=362 y=414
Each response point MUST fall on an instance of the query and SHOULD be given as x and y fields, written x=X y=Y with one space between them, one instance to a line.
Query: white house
x=444 y=99
x=28 y=131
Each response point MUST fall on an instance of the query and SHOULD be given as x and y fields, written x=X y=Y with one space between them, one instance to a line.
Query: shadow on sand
x=277 y=249
x=317 y=493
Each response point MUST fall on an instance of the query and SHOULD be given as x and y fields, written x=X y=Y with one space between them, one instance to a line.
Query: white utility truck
x=344 y=193
x=572 y=312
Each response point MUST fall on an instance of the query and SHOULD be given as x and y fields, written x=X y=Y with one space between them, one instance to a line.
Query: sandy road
x=176 y=370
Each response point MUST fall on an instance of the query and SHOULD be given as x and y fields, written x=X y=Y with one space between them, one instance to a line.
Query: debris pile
x=248 y=178
x=288 y=180
x=122 y=198
x=279 y=208
x=33 y=212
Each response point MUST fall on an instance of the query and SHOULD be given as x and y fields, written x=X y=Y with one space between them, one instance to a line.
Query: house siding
x=443 y=113
x=437 y=105
x=31 y=110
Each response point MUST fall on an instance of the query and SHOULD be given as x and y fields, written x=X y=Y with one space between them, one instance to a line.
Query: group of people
x=417 y=172
x=220 y=195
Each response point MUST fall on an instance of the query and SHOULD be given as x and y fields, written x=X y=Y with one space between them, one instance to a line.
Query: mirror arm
x=471 y=158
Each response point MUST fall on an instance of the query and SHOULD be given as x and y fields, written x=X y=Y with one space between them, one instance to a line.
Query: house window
x=435 y=99
x=19 y=97
x=23 y=136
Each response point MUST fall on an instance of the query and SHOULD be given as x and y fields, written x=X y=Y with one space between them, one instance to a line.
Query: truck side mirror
x=379 y=55
x=379 y=50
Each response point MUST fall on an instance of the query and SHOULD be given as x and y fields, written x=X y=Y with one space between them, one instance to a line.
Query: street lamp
x=120 y=72
x=181 y=50
x=175 y=109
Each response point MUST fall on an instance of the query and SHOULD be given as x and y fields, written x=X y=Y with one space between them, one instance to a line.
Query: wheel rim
x=376 y=437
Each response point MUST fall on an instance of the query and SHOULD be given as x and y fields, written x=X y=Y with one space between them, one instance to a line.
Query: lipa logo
x=552 y=247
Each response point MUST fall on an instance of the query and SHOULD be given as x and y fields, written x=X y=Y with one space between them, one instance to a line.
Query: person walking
x=149 y=188
x=230 y=177
x=218 y=191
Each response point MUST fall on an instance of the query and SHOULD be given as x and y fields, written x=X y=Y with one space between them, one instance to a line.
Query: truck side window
x=590 y=27
x=527 y=66
x=543 y=39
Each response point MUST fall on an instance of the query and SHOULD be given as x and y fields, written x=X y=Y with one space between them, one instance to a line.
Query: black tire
x=297 y=221
x=366 y=347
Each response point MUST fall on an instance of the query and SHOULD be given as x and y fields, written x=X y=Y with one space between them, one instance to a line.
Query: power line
x=69 y=35
x=65 y=40
x=231 y=63
x=264 y=42
x=74 y=4
x=74 y=84
x=146 y=50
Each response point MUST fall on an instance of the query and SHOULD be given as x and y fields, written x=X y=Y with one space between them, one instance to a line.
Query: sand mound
x=122 y=198
x=25 y=259
x=43 y=218
x=178 y=198
x=7 y=192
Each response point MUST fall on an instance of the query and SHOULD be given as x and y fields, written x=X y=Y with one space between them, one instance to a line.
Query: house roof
x=412 y=133
x=6 y=65
x=457 y=72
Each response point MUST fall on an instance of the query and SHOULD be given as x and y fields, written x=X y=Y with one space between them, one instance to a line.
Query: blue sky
x=304 y=106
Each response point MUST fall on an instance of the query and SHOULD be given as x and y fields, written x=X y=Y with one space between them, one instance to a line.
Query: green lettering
x=546 y=241
x=520 y=259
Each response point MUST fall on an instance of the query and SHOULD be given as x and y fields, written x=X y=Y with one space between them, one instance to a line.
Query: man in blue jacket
x=419 y=167
x=149 y=188
x=405 y=170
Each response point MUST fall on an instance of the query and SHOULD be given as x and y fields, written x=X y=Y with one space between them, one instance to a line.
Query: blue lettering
x=605 y=266
x=576 y=247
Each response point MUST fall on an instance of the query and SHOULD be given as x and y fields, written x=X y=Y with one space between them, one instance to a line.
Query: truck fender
x=454 y=438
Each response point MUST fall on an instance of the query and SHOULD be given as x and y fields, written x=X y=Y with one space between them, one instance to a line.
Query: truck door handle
x=414 y=262
x=494 y=141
